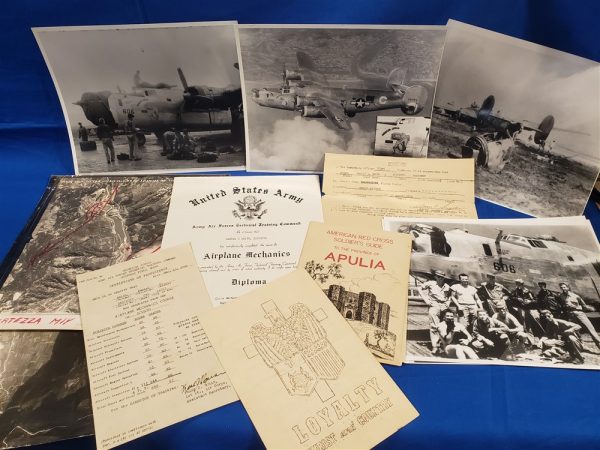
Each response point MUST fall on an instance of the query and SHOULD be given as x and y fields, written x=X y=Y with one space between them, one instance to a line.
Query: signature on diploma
x=202 y=379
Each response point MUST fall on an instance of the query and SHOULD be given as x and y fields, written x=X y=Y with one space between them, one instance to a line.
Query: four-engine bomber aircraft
x=492 y=147
x=158 y=107
x=509 y=256
x=308 y=91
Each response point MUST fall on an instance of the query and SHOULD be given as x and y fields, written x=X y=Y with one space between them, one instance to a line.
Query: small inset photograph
x=402 y=136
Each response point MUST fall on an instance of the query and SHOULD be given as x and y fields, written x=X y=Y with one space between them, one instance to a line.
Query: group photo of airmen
x=489 y=321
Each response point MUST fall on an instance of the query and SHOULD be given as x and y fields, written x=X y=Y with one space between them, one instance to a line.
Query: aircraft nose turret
x=258 y=96
x=95 y=106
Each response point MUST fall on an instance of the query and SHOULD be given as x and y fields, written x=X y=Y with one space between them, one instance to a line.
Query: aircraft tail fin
x=363 y=59
x=137 y=79
x=396 y=80
x=309 y=70
x=486 y=107
x=306 y=62
x=544 y=129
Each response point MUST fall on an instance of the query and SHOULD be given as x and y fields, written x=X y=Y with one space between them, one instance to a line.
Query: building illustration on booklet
x=368 y=317
x=362 y=306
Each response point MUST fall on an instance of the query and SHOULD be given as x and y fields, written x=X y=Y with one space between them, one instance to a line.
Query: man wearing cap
x=560 y=337
x=436 y=294
x=574 y=307
x=465 y=297
x=492 y=294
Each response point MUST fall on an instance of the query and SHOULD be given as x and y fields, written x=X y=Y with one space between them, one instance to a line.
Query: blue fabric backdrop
x=460 y=406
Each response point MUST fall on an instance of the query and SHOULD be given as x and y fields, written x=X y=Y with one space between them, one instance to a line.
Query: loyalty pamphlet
x=149 y=361
x=244 y=231
x=305 y=378
x=362 y=189
x=365 y=276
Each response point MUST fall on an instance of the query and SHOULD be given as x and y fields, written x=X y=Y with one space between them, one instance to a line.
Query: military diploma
x=149 y=361
x=304 y=376
x=245 y=231
x=365 y=276
x=362 y=189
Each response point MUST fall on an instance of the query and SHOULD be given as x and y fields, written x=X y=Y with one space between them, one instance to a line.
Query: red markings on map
x=94 y=210
x=136 y=254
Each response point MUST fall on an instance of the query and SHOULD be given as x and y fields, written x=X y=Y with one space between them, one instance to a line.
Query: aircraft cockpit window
x=515 y=239
x=537 y=244
x=487 y=249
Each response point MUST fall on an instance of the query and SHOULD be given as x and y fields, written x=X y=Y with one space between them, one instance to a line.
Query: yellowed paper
x=149 y=361
x=365 y=188
x=305 y=378
x=367 y=212
x=365 y=276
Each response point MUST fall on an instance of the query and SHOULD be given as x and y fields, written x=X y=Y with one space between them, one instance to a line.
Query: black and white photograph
x=529 y=116
x=156 y=98
x=314 y=89
x=521 y=292
x=44 y=389
x=87 y=224
x=402 y=136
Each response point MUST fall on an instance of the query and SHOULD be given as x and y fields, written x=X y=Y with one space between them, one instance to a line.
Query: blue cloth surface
x=460 y=406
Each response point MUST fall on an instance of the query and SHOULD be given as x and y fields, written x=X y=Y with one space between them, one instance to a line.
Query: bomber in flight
x=308 y=91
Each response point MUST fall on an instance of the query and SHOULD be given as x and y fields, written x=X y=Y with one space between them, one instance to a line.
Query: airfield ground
x=95 y=161
x=526 y=183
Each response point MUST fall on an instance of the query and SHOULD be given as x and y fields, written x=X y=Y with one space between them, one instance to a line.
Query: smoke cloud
x=300 y=144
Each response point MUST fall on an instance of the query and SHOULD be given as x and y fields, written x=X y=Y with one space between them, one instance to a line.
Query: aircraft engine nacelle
x=311 y=111
x=488 y=152
x=303 y=101
x=414 y=100
x=292 y=75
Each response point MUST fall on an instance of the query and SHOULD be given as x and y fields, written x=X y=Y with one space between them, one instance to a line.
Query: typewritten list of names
x=146 y=348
